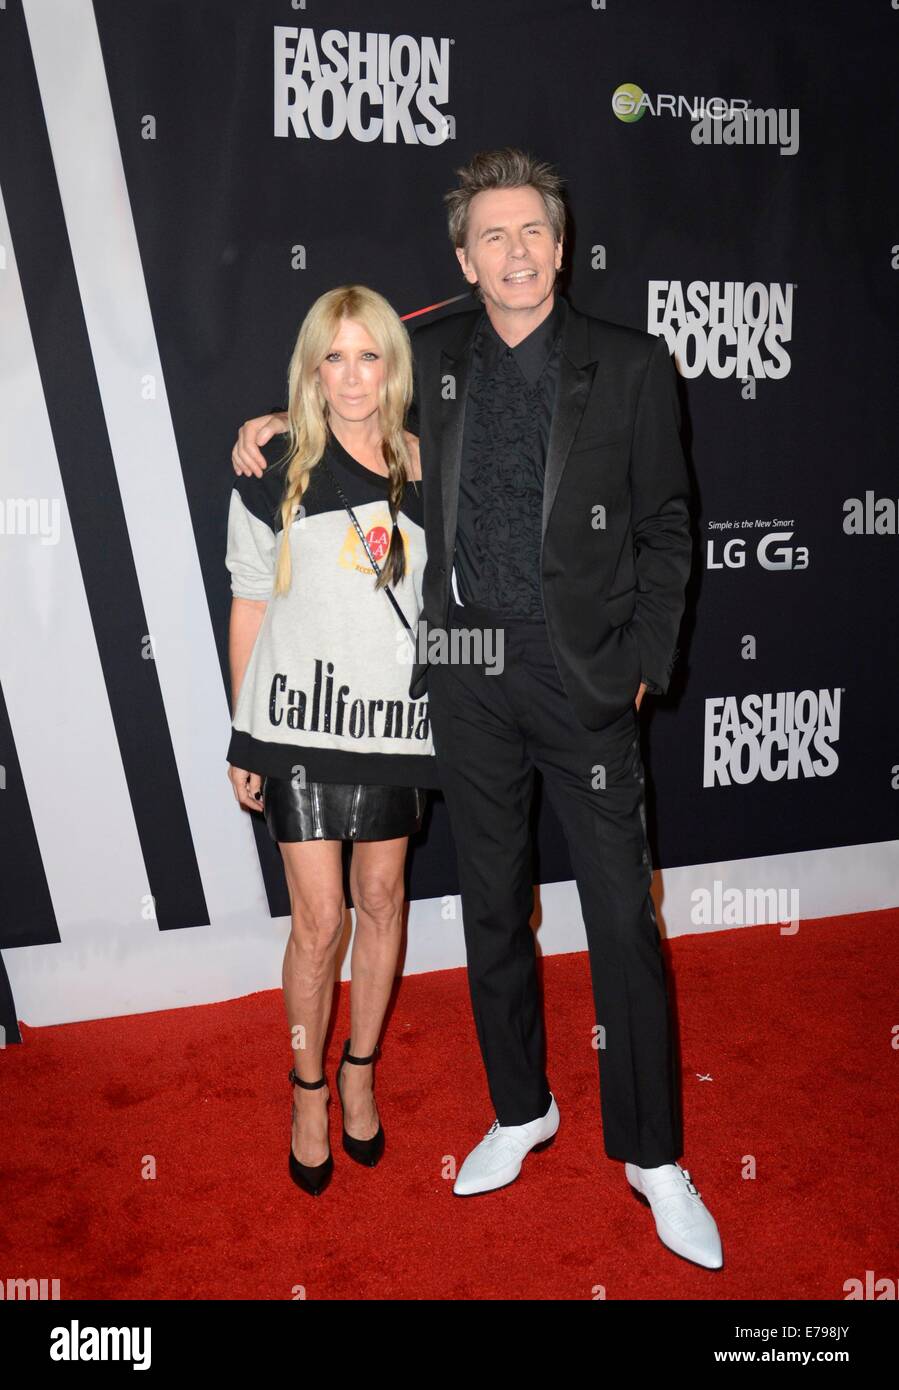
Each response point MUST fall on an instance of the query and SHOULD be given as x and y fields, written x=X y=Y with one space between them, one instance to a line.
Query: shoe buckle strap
x=690 y=1184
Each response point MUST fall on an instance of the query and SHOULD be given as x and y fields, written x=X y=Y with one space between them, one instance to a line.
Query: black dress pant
x=490 y=733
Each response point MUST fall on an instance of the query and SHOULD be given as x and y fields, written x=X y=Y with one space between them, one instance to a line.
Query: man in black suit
x=560 y=520
x=557 y=525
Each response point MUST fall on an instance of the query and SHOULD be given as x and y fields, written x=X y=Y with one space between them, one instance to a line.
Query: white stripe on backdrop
x=94 y=194
x=50 y=667
x=98 y=979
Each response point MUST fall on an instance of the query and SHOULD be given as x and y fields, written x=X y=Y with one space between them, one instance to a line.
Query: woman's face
x=352 y=372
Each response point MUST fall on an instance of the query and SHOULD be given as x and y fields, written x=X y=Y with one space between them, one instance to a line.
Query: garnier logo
x=627 y=102
x=630 y=103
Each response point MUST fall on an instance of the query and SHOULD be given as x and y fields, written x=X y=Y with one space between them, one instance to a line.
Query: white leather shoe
x=683 y=1221
x=498 y=1158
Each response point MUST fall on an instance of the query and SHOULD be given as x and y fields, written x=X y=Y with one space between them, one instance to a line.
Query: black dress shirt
x=511 y=394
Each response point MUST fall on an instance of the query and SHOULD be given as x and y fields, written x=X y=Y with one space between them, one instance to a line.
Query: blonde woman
x=326 y=554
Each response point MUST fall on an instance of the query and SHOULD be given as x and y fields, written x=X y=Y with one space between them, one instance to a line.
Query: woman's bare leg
x=315 y=883
x=378 y=890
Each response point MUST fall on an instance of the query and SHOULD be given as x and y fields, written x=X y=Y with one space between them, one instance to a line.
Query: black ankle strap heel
x=306 y=1085
x=364 y=1151
x=316 y=1178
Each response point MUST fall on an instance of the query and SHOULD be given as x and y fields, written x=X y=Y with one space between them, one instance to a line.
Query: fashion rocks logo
x=788 y=735
x=724 y=327
x=371 y=87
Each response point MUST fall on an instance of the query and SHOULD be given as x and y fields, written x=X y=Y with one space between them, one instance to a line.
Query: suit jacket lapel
x=455 y=369
x=576 y=372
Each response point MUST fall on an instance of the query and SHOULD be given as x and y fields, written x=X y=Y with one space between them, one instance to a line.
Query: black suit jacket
x=613 y=579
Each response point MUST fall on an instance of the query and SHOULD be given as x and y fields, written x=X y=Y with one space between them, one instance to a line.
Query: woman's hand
x=640 y=693
x=245 y=456
x=247 y=787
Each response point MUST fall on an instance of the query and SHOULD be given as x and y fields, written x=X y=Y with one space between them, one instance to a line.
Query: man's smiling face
x=510 y=251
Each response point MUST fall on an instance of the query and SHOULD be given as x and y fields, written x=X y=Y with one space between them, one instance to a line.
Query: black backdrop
x=239 y=228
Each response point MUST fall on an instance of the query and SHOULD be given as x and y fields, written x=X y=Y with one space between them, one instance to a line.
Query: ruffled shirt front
x=508 y=414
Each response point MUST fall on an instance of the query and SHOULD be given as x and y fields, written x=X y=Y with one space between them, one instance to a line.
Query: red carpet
x=794 y=1032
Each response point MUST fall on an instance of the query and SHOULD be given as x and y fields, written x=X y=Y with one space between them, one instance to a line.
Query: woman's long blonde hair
x=307 y=411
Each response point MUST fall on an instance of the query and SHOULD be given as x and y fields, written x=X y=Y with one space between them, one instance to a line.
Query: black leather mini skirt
x=339 y=810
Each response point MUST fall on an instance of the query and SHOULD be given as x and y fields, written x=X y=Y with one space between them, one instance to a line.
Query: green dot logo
x=627 y=102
